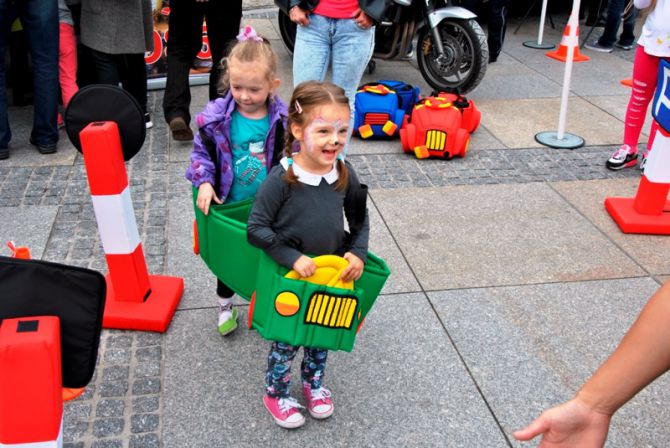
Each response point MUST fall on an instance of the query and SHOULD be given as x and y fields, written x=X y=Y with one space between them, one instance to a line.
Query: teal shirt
x=248 y=147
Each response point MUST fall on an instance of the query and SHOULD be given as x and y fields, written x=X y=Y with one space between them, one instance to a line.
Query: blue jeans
x=40 y=23
x=614 y=12
x=340 y=41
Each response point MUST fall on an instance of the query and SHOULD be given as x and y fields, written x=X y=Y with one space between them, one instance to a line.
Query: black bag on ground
x=75 y=295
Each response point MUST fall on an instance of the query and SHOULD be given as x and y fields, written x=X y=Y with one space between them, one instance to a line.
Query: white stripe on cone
x=656 y=170
x=116 y=222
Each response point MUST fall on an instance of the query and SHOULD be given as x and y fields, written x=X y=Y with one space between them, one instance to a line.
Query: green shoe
x=227 y=321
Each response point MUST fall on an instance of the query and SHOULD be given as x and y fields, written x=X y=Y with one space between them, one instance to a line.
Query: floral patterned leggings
x=278 y=376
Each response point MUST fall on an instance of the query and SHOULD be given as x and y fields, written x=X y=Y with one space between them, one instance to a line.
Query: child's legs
x=313 y=366
x=278 y=375
x=223 y=291
x=67 y=62
x=645 y=69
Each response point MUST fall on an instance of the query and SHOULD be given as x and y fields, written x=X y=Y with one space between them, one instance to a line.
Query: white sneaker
x=227 y=316
x=623 y=157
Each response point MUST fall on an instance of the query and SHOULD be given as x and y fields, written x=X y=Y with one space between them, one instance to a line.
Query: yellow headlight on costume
x=287 y=304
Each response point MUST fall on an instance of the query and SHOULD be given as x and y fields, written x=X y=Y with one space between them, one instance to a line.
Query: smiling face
x=250 y=87
x=322 y=138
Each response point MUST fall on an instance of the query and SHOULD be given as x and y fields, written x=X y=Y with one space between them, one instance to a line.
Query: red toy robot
x=440 y=126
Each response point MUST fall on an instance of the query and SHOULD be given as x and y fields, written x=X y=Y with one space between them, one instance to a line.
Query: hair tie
x=297 y=107
x=248 y=33
x=340 y=157
x=289 y=161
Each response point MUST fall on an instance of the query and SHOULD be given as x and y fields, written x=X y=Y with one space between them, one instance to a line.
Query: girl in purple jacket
x=239 y=139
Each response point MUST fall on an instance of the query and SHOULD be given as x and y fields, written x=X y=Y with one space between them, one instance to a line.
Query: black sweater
x=289 y=221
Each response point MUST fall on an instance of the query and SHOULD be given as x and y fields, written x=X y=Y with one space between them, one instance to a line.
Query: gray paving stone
x=497 y=235
x=26 y=226
x=530 y=347
x=395 y=388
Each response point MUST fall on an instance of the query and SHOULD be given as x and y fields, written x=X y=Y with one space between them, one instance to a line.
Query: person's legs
x=313 y=366
x=185 y=40
x=5 y=132
x=319 y=401
x=644 y=84
x=645 y=69
x=227 y=321
x=614 y=13
x=223 y=24
x=311 y=54
x=278 y=375
x=352 y=48
x=40 y=22
x=627 y=37
x=277 y=399
x=67 y=63
x=497 y=27
x=133 y=76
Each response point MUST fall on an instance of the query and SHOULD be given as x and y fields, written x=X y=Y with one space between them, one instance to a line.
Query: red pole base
x=629 y=220
x=154 y=314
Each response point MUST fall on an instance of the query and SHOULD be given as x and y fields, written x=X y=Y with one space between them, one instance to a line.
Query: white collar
x=310 y=178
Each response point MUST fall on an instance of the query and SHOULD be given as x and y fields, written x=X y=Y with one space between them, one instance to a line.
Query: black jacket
x=373 y=8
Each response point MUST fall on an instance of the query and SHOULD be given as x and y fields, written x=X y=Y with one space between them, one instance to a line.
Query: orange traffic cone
x=561 y=52
x=19 y=252
x=649 y=211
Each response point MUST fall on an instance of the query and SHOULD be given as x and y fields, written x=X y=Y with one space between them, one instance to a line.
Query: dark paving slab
x=530 y=347
x=213 y=387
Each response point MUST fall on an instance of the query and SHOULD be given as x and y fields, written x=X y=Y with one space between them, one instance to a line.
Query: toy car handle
x=326 y=261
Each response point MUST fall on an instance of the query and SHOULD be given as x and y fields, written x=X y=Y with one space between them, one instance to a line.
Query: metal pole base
x=550 y=139
x=537 y=46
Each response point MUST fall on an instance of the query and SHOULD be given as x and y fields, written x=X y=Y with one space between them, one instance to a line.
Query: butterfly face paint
x=324 y=137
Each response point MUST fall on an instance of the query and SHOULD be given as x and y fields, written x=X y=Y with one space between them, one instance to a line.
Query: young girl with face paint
x=299 y=210
x=234 y=148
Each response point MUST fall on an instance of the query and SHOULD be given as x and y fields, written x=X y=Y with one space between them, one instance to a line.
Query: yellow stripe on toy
x=365 y=131
x=421 y=152
x=389 y=128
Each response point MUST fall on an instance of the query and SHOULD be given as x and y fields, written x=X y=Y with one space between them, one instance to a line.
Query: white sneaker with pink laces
x=285 y=411
x=319 y=403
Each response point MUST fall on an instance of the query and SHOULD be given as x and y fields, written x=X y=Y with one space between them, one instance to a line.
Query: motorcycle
x=451 y=49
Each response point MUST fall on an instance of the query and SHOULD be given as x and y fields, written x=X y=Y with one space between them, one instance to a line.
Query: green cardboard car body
x=317 y=315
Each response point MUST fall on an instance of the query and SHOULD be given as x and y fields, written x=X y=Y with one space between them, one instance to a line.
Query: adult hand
x=572 y=424
x=304 y=266
x=362 y=19
x=299 y=16
x=206 y=194
x=355 y=268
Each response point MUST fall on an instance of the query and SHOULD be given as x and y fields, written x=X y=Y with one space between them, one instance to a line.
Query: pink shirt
x=336 y=9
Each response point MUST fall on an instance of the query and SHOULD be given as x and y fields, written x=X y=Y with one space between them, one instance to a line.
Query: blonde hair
x=250 y=50
x=307 y=96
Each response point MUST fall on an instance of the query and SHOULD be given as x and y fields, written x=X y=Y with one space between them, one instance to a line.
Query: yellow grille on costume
x=435 y=140
x=331 y=311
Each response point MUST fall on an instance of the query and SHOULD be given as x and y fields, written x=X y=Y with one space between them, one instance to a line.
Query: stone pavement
x=510 y=282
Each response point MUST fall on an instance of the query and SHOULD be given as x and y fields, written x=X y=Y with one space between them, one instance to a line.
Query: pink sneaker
x=285 y=411
x=319 y=403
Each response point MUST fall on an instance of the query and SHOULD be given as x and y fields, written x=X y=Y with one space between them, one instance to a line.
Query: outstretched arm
x=641 y=357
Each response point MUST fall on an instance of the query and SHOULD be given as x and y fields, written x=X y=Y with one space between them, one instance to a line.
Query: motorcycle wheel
x=466 y=54
x=287 y=30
